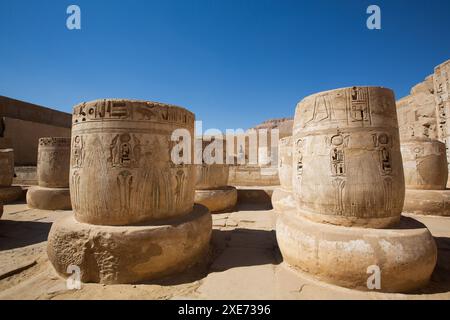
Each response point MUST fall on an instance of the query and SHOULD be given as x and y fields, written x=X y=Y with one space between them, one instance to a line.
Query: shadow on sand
x=18 y=234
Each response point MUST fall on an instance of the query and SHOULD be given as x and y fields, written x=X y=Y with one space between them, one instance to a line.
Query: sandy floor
x=244 y=263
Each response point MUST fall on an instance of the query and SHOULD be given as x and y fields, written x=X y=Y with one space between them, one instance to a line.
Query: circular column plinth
x=283 y=200
x=427 y=202
x=217 y=200
x=49 y=198
x=341 y=256
x=129 y=254
x=10 y=194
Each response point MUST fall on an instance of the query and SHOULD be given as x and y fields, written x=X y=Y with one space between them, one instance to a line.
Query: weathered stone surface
x=427 y=202
x=24 y=123
x=340 y=255
x=425 y=164
x=253 y=153
x=256 y=195
x=248 y=175
x=6 y=167
x=285 y=146
x=284 y=126
x=348 y=183
x=131 y=254
x=221 y=199
x=49 y=198
x=211 y=176
x=416 y=112
x=442 y=99
x=121 y=169
x=347 y=163
x=5 y=143
x=10 y=194
x=425 y=112
x=53 y=162
x=283 y=200
x=25 y=176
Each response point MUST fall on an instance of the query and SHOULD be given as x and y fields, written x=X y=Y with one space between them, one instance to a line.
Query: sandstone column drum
x=8 y=193
x=211 y=187
x=426 y=173
x=53 y=176
x=134 y=215
x=282 y=197
x=349 y=188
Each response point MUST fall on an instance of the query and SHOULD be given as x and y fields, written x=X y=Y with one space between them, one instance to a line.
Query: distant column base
x=129 y=254
x=347 y=256
x=10 y=194
x=217 y=200
x=49 y=198
x=283 y=200
x=427 y=202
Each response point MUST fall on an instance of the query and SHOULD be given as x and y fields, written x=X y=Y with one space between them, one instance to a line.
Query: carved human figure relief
x=78 y=152
x=125 y=151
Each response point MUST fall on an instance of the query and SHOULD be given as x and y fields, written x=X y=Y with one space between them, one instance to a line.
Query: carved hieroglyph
x=53 y=162
x=442 y=97
x=346 y=157
x=285 y=162
x=6 y=167
x=121 y=170
x=425 y=164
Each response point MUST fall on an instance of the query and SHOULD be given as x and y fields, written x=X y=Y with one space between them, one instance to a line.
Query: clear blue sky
x=234 y=63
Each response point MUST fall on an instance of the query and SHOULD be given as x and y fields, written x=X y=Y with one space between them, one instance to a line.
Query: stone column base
x=341 y=256
x=427 y=202
x=129 y=254
x=10 y=194
x=283 y=200
x=217 y=200
x=49 y=198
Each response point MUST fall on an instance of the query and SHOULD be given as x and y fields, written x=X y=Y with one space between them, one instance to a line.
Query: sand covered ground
x=244 y=263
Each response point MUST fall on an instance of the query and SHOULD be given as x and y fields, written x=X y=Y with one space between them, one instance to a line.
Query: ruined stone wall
x=22 y=124
x=416 y=112
x=263 y=173
x=425 y=112
x=442 y=99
